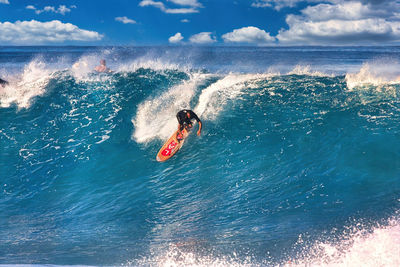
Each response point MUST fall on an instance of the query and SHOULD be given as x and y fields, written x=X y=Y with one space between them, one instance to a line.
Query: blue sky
x=199 y=22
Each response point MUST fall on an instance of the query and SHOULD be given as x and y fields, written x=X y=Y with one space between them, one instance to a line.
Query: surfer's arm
x=199 y=131
x=194 y=116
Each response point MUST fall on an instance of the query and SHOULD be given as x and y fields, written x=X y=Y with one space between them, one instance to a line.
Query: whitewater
x=298 y=163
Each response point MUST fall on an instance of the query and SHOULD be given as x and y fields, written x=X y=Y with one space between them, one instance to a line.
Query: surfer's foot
x=179 y=137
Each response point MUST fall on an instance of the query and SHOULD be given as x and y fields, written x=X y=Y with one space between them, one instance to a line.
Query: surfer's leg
x=179 y=135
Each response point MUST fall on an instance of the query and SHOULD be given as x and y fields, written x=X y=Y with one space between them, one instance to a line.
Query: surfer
x=185 y=118
x=3 y=83
x=102 y=67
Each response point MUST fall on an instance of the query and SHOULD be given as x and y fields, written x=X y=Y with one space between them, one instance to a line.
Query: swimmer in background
x=102 y=67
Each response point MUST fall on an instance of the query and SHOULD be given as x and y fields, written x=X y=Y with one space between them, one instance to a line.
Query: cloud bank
x=343 y=23
x=36 y=32
x=62 y=9
x=330 y=22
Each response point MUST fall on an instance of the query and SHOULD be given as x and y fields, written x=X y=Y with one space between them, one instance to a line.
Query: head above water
x=103 y=62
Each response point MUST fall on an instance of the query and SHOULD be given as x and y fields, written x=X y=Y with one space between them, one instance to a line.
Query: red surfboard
x=171 y=146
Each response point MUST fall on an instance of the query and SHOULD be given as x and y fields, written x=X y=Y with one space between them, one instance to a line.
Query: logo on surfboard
x=167 y=151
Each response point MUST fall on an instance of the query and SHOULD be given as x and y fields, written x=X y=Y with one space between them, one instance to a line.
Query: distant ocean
x=298 y=163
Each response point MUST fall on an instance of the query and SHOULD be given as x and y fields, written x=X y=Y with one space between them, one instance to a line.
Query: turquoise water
x=298 y=162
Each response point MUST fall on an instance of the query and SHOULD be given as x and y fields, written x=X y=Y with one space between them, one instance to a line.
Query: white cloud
x=4 y=2
x=163 y=8
x=248 y=35
x=47 y=9
x=202 y=38
x=62 y=9
x=344 y=11
x=192 y=3
x=176 y=38
x=185 y=21
x=125 y=20
x=365 y=31
x=159 y=5
x=344 y=23
x=36 y=32
x=277 y=4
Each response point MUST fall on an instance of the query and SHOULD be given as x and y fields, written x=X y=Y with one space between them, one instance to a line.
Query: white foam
x=178 y=255
x=23 y=87
x=159 y=60
x=103 y=138
x=81 y=68
x=306 y=70
x=379 y=247
x=157 y=64
x=155 y=117
x=213 y=98
x=374 y=73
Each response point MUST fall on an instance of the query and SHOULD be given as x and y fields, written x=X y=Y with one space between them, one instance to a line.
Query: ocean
x=298 y=163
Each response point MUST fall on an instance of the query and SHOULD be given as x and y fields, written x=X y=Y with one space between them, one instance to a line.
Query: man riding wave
x=185 y=118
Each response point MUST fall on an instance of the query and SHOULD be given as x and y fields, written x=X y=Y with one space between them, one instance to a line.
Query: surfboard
x=171 y=146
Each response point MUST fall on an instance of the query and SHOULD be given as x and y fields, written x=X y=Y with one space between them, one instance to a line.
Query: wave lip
x=155 y=118
x=22 y=88
x=212 y=99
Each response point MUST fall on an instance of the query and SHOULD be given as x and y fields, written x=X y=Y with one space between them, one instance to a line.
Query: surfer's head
x=103 y=62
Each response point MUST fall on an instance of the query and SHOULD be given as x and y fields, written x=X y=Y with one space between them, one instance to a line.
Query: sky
x=200 y=22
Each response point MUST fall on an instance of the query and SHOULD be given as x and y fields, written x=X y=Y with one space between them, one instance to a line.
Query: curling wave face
x=297 y=164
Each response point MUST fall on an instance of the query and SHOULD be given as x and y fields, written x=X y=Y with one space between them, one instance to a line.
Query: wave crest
x=375 y=74
x=22 y=88
x=155 y=117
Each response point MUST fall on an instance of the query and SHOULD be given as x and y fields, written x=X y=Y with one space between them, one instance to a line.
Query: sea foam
x=23 y=87
x=377 y=74
x=358 y=246
x=155 y=117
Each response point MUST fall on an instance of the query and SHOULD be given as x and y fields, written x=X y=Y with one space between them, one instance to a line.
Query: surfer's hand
x=198 y=133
